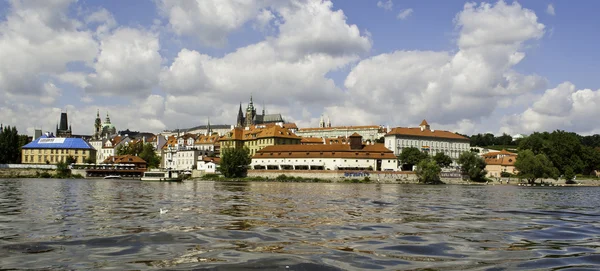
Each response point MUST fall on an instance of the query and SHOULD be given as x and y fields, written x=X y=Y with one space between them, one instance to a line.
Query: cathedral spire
x=208 y=129
x=240 y=117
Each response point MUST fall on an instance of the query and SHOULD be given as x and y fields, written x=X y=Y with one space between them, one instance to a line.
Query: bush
x=210 y=177
x=45 y=175
x=505 y=174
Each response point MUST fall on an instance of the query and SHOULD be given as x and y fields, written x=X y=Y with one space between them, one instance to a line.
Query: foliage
x=489 y=139
x=210 y=176
x=428 y=171
x=90 y=160
x=234 y=162
x=62 y=170
x=10 y=145
x=70 y=160
x=532 y=167
x=564 y=150
x=411 y=156
x=569 y=174
x=473 y=166
x=505 y=174
x=442 y=160
x=149 y=155
x=134 y=148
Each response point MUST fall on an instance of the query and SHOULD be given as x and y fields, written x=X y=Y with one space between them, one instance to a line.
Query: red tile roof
x=377 y=151
x=426 y=133
x=341 y=128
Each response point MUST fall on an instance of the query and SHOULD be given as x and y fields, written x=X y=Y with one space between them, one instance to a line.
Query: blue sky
x=489 y=66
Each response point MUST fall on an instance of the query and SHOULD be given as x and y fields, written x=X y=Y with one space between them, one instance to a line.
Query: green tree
x=532 y=167
x=442 y=159
x=411 y=156
x=10 y=145
x=70 y=160
x=234 y=162
x=428 y=171
x=569 y=174
x=62 y=170
x=150 y=156
x=473 y=166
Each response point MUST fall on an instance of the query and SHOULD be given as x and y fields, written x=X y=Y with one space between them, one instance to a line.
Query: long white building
x=427 y=140
x=353 y=156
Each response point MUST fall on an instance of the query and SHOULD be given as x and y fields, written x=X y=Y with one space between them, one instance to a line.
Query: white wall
x=452 y=148
x=328 y=163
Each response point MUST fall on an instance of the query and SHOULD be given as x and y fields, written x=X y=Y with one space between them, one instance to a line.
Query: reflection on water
x=96 y=224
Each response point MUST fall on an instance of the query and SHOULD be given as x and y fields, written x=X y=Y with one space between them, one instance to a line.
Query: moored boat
x=162 y=176
x=112 y=177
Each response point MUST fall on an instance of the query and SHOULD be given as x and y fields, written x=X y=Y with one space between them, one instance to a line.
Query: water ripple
x=116 y=224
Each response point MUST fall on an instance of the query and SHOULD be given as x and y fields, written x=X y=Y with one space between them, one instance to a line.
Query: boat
x=112 y=177
x=162 y=176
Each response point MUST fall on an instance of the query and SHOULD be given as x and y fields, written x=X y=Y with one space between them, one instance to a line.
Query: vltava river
x=117 y=224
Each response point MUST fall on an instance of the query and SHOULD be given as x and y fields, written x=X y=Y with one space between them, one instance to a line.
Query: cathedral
x=106 y=130
x=252 y=118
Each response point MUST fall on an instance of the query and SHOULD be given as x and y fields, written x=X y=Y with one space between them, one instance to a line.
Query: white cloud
x=103 y=19
x=387 y=5
x=37 y=41
x=550 y=10
x=446 y=88
x=404 y=13
x=562 y=107
x=128 y=64
x=313 y=40
x=209 y=21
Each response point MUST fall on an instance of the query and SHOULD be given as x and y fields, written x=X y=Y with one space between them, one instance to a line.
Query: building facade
x=498 y=162
x=257 y=137
x=352 y=156
x=52 y=150
x=368 y=133
x=427 y=140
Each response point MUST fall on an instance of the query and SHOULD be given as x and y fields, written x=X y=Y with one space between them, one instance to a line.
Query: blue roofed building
x=50 y=150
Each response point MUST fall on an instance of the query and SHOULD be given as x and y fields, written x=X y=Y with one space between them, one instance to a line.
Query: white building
x=368 y=133
x=353 y=156
x=186 y=159
x=427 y=140
x=207 y=167
x=98 y=144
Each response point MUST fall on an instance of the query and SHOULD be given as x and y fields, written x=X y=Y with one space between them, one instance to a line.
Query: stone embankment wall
x=23 y=172
x=338 y=176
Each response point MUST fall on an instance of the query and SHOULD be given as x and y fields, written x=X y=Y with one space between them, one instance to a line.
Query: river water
x=117 y=224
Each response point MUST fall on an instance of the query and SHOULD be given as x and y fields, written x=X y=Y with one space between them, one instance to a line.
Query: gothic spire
x=240 y=117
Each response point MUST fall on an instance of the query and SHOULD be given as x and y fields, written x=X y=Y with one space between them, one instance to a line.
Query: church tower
x=322 y=122
x=250 y=113
x=97 y=126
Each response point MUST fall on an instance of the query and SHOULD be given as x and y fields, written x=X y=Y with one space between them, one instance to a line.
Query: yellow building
x=51 y=150
x=498 y=162
x=256 y=138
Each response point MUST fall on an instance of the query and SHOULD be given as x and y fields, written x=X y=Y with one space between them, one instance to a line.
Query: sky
x=469 y=67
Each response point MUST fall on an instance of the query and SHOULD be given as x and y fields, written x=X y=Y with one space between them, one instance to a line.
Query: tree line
x=472 y=166
x=10 y=145
x=142 y=150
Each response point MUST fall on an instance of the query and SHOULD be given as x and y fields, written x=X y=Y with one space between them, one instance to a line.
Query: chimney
x=356 y=142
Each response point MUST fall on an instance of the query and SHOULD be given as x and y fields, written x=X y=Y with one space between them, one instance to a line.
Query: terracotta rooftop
x=503 y=161
x=426 y=133
x=290 y=126
x=496 y=153
x=424 y=123
x=340 y=128
x=256 y=133
x=377 y=151
x=124 y=159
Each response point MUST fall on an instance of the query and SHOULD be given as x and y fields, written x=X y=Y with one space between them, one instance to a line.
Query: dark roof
x=58 y=143
x=268 y=118
x=212 y=126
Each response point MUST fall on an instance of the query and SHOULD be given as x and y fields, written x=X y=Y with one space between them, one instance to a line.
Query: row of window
x=49 y=151
x=51 y=158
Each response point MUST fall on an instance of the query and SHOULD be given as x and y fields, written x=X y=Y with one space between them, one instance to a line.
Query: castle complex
x=252 y=118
